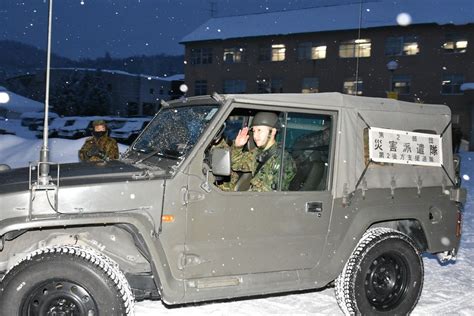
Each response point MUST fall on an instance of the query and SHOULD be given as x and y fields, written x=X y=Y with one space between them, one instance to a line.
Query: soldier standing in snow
x=99 y=147
x=264 y=161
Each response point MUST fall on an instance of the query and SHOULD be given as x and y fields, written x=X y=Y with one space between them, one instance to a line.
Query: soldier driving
x=264 y=161
x=99 y=147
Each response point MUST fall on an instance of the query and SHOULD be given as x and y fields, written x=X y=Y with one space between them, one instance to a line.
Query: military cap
x=99 y=122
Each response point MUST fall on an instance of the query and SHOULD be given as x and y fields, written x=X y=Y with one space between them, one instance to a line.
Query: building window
x=235 y=86
x=207 y=55
x=152 y=91
x=148 y=109
x=200 y=87
x=274 y=85
x=132 y=108
x=264 y=54
x=276 y=52
x=311 y=51
x=455 y=43
x=201 y=56
x=355 y=48
x=401 y=84
x=195 y=56
x=277 y=86
x=451 y=84
x=352 y=86
x=234 y=55
x=310 y=85
x=402 y=45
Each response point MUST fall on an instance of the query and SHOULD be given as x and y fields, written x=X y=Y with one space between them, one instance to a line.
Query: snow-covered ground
x=448 y=289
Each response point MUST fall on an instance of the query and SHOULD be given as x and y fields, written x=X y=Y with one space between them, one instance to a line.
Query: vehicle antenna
x=44 y=153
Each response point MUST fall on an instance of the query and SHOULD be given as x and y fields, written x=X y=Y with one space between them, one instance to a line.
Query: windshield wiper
x=157 y=152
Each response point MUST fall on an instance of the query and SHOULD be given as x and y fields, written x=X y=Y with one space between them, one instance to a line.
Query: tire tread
x=104 y=263
x=345 y=281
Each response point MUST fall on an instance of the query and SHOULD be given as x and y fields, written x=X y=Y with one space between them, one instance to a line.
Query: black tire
x=383 y=276
x=65 y=280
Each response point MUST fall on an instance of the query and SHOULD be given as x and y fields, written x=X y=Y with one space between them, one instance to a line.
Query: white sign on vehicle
x=402 y=147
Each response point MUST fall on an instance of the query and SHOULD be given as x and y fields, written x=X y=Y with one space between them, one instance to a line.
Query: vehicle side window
x=308 y=140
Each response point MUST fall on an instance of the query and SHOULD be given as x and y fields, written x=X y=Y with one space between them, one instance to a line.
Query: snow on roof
x=336 y=17
x=174 y=77
x=20 y=104
x=38 y=115
x=124 y=73
x=467 y=86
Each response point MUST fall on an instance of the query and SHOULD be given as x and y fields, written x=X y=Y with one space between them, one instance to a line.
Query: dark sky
x=90 y=28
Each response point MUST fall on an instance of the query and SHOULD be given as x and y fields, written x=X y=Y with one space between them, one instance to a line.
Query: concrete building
x=130 y=94
x=373 y=49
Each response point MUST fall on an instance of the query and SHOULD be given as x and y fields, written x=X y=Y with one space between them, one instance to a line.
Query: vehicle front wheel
x=383 y=276
x=65 y=280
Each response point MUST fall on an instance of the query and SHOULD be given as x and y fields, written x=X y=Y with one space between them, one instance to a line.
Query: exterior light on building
x=461 y=44
x=4 y=97
x=183 y=88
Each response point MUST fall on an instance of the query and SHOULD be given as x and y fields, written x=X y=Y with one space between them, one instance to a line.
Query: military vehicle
x=375 y=188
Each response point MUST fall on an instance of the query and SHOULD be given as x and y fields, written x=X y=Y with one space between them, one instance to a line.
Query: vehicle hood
x=82 y=173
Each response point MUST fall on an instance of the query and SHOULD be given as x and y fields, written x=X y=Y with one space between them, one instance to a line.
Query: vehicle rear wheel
x=66 y=280
x=383 y=276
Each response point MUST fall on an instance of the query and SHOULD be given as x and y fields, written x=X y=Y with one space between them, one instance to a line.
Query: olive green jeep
x=375 y=187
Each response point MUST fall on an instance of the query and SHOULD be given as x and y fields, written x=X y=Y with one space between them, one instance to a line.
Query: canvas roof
x=356 y=113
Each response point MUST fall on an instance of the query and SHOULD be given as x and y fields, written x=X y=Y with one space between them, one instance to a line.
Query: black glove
x=95 y=151
x=102 y=155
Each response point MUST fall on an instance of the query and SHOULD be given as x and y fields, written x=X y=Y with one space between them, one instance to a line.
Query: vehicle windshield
x=132 y=126
x=174 y=131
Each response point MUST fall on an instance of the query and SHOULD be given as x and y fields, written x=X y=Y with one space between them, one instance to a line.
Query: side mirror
x=220 y=162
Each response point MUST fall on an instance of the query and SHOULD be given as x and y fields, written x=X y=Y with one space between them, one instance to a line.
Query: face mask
x=98 y=134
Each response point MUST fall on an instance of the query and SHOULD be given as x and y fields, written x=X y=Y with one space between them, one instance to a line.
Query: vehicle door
x=232 y=232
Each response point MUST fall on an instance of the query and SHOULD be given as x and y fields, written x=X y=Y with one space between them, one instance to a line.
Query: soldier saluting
x=99 y=147
x=264 y=161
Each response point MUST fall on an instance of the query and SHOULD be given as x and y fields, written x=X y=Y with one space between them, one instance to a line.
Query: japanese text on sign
x=402 y=147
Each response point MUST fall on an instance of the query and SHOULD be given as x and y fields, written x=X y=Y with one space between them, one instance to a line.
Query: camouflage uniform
x=99 y=149
x=267 y=176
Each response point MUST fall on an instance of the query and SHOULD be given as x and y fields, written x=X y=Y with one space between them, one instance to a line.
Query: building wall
x=425 y=69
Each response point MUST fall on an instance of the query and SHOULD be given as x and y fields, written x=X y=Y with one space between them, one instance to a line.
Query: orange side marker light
x=167 y=218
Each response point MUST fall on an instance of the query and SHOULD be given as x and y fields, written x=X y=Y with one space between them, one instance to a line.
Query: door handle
x=314 y=207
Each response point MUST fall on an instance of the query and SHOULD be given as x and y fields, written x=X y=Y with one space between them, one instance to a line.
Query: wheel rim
x=59 y=298
x=386 y=281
